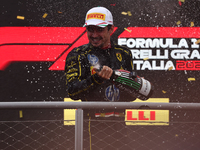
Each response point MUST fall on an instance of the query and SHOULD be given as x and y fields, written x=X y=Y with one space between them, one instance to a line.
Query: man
x=90 y=67
x=83 y=80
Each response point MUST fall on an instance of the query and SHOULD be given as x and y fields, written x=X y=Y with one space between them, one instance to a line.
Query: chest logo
x=112 y=93
x=119 y=56
x=92 y=70
x=92 y=59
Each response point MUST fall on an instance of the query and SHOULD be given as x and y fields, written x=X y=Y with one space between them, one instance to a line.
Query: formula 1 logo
x=39 y=44
x=152 y=48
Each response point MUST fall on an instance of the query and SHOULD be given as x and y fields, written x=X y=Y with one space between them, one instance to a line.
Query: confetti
x=21 y=17
x=127 y=30
x=198 y=41
x=20 y=114
x=179 y=22
x=129 y=13
x=192 y=24
x=181 y=1
x=176 y=135
x=191 y=79
x=164 y=91
x=59 y=12
x=124 y=13
x=185 y=71
x=45 y=15
x=170 y=68
x=146 y=58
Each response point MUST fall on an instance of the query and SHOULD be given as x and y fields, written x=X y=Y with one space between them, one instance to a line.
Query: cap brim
x=100 y=24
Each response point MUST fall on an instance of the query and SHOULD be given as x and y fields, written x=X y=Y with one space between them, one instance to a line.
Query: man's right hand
x=105 y=73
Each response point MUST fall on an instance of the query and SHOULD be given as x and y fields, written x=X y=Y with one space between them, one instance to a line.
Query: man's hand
x=105 y=73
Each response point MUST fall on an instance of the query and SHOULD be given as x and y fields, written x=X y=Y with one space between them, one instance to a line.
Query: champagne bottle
x=131 y=83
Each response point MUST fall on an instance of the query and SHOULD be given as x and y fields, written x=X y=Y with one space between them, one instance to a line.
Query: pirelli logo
x=148 y=117
x=99 y=16
x=132 y=116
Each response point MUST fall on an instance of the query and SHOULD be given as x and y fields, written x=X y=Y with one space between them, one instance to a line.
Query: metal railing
x=78 y=139
x=96 y=105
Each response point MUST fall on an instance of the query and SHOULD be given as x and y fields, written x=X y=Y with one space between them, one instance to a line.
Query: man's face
x=98 y=36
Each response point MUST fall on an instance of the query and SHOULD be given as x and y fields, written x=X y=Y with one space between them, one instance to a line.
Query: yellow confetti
x=21 y=17
x=20 y=114
x=198 y=41
x=170 y=68
x=59 y=12
x=178 y=22
x=124 y=13
x=146 y=58
x=192 y=24
x=182 y=0
x=127 y=30
x=164 y=91
x=129 y=13
x=176 y=135
x=45 y=15
x=191 y=79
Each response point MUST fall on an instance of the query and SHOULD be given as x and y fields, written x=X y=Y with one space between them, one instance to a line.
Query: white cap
x=98 y=16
